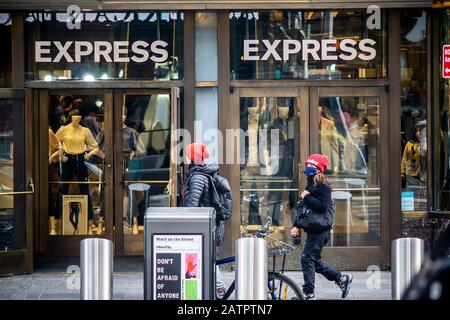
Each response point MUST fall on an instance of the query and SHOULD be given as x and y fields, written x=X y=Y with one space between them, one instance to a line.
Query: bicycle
x=279 y=286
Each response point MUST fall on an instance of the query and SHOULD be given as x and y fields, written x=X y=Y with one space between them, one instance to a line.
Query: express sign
x=446 y=61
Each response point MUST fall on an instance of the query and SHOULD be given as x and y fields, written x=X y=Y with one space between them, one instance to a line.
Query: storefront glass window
x=76 y=165
x=206 y=70
x=442 y=158
x=349 y=136
x=413 y=64
x=12 y=206
x=5 y=61
x=268 y=183
x=206 y=47
x=207 y=120
x=119 y=45
x=146 y=156
x=272 y=45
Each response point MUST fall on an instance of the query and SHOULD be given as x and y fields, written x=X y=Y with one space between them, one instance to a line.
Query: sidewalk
x=52 y=283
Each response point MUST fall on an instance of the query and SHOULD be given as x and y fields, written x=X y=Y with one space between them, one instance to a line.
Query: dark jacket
x=319 y=196
x=197 y=191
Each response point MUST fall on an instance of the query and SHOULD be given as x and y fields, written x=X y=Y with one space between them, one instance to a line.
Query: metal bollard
x=96 y=259
x=407 y=259
x=251 y=269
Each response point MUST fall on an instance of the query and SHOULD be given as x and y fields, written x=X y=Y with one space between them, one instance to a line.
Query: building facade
x=262 y=83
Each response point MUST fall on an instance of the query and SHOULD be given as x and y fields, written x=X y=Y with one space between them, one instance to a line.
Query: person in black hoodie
x=317 y=196
x=197 y=193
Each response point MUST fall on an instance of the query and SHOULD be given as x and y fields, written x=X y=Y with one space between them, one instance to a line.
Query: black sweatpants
x=312 y=263
x=74 y=166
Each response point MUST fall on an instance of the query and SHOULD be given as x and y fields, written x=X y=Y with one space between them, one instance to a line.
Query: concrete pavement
x=51 y=282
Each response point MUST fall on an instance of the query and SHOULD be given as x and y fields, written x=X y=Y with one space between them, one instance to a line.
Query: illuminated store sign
x=326 y=49
x=116 y=51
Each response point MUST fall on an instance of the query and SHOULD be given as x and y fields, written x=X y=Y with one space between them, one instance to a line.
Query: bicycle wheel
x=281 y=287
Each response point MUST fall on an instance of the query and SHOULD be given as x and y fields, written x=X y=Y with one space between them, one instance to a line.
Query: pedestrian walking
x=204 y=187
x=315 y=214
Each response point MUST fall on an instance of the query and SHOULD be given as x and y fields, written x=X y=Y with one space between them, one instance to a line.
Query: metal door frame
x=21 y=261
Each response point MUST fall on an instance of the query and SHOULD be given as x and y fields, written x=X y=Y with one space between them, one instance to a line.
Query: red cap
x=319 y=161
x=197 y=152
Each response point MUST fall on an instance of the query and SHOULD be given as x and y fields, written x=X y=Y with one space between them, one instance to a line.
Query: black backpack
x=221 y=199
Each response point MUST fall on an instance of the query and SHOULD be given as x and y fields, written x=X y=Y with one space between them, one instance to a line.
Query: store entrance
x=16 y=183
x=349 y=125
x=104 y=157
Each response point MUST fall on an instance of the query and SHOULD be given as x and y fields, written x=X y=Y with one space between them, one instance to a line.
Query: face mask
x=310 y=171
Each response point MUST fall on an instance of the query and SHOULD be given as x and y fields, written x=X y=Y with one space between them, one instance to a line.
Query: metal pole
x=96 y=258
x=251 y=269
x=407 y=259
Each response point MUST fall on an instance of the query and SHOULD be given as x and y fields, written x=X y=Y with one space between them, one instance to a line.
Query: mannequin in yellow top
x=75 y=139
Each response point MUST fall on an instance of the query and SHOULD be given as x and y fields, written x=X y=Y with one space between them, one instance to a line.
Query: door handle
x=17 y=193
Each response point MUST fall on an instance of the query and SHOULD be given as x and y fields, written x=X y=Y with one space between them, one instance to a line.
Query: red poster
x=446 y=61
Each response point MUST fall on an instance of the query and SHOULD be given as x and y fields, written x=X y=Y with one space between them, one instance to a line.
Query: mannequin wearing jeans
x=74 y=139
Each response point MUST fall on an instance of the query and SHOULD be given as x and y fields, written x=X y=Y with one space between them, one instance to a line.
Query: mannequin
x=74 y=139
x=53 y=155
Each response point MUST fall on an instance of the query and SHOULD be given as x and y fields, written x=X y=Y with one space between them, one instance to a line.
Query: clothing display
x=132 y=142
x=74 y=167
x=75 y=138
x=410 y=165
x=53 y=143
x=74 y=214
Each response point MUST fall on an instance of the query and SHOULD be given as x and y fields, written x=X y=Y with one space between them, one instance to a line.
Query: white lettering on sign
x=163 y=295
x=116 y=51
x=164 y=261
x=446 y=61
x=249 y=47
x=326 y=49
x=40 y=51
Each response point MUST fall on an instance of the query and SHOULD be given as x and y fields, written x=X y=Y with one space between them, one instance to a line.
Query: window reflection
x=442 y=159
x=413 y=62
x=146 y=156
x=304 y=26
x=349 y=136
x=6 y=176
x=108 y=29
x=5 y=40
x=268 y=187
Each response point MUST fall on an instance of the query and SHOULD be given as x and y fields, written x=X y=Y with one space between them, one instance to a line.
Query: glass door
x=75 y=167
x=349 y=125
x=16 y=184
x=272 y=122
x=145 y=176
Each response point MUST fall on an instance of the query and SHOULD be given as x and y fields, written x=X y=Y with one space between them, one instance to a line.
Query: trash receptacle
x=96 y=271
x=179 y=252
x=407 y=259
x=251 y=269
